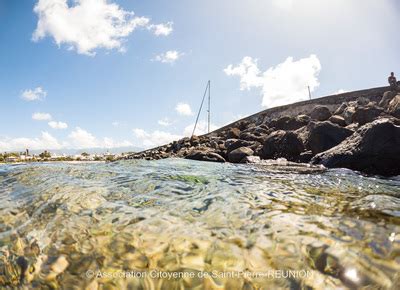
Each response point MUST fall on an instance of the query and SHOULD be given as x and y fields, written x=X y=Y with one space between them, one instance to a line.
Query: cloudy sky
x=112 y=73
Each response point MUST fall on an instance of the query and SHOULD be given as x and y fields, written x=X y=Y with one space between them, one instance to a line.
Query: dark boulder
x=260 y=130
x=303 y=118
x=282 y=144
x=205 y=155
x=238 y=154
x=325 y=135
x=320 y=113
x=233 y=133
x=394 y=106
x=362 y=101
x=348 y=114
x=247 y=136
x=364 y=115
x=232 y=144
x=195 y=141
x=341 y=109
x=373 y=149
x=338 y=120
x=251 y=159
x=305 y=157
x=387 y=97
x=289 y=123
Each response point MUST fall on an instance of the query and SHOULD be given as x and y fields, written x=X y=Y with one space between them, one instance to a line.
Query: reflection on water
x=84 y=225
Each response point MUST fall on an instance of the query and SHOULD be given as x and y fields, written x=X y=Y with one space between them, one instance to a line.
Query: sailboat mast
x=209 y=105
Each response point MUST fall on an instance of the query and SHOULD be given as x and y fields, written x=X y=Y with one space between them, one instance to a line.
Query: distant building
x=12 y=159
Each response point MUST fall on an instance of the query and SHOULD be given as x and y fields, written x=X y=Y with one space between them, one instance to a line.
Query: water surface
x=71 y=225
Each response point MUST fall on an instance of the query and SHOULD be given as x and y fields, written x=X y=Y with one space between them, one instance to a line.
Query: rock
x=282 y=144
x=195 y=141
x=348 y=114
x=320 y=113
x=373 y=149
x=205 y=156
x=353 y=126
x=325 y=135
x=304 y=119
x=338 y=120
x=229 y=142
x=59 y=265
x=251 y=137
x=289 y=123
x=251 y=159
x=394 y=106
x=306 y=157
x=364 y=115
x=302 y=133
x=238 y=154
x=260 y=130
x=340 y=110
x=387 y=97
x=232 y=145
x=362 y=101
x=233 y=133
x=243 y=125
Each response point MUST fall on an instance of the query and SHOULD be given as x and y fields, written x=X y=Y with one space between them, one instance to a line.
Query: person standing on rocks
x=392 y=81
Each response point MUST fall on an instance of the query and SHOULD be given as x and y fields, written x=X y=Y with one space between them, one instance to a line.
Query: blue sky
x=90 y=73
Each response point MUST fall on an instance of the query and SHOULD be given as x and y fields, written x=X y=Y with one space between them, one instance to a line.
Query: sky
x=117 y=73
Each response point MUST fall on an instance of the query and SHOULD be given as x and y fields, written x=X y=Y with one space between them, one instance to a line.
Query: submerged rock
x=373 y=149
x=325 y=135
x=282 y=144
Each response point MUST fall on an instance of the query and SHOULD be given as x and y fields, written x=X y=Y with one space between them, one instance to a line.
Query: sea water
x=180 y=224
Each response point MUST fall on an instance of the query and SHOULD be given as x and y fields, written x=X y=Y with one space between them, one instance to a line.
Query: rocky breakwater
x=362 y=134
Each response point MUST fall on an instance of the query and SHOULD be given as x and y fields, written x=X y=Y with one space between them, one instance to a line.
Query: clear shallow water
x=71 y=222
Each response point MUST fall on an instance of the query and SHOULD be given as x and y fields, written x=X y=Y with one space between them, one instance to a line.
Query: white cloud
x=153 y=139
x=284 y=84
x=164 y=122
x=183 y=109
x=78 y=139
x=81 y=139
x=45 y=141
x=163 y=29
x=248 y=72
x=41 y=117
x=283 y=4
x=58 y=125
x=116 y=123
x=34 y=95
x=170 y=56
x=201 y=129
x=86 y=25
